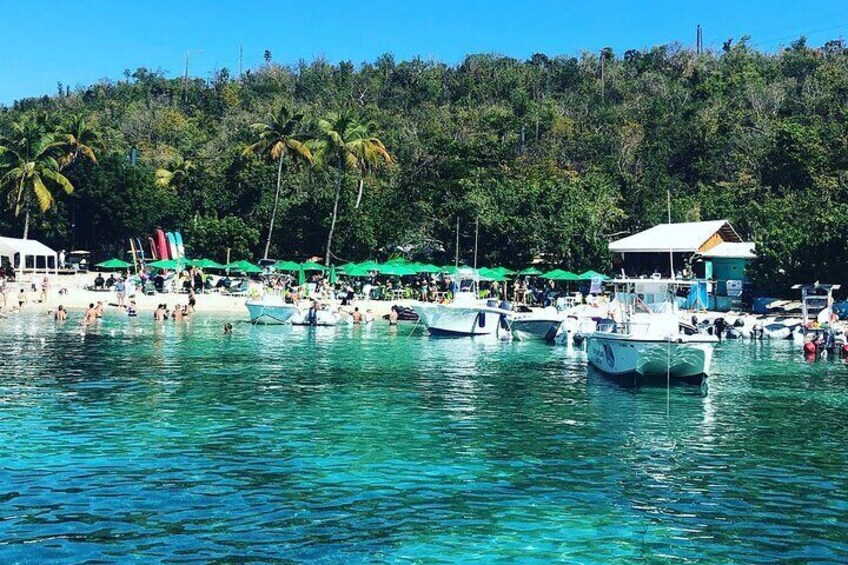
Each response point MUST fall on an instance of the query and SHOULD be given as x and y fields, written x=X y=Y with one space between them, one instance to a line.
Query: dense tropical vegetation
x=553 y=156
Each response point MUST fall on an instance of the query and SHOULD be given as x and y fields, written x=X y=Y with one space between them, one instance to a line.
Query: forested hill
x=553 y=155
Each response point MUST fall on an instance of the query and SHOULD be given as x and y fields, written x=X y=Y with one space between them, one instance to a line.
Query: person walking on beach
x=192 y=301
x=45 y=286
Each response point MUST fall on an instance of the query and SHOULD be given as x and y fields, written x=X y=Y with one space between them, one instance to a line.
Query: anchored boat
x=466 y=315
x=649 y=340
x=270 y=309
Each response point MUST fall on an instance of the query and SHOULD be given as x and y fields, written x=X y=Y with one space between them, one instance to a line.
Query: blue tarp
x=760 y=305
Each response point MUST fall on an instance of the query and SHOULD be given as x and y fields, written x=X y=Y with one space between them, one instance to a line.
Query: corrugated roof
x=731 y=250
x=686 y=237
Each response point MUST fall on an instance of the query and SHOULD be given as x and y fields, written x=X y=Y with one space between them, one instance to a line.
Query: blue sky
x=79 y=42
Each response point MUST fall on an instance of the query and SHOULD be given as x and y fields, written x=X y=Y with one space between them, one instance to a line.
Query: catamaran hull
x=270 y=314
x=533 y=329
x=678 y=360
x=444 y=320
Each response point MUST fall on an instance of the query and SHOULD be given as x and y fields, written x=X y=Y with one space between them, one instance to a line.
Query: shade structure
x=504 y=271
x=533 y=271
x=370 y=265
x=560 y=275
x=165 y=264
x=206 y=264
x=344 y=269
x=286 y=266
x=356 y=271
x=589 y=275
x=243 y=267
x=395 y=269
x=425 y=268
x=312 y=266
x=333 y=277
x=29 y=255
x=491 y=275
x=113 y=264
x=301 y=276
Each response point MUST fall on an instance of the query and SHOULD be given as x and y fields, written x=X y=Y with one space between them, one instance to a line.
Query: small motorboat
x=545 y=325
x=271 y=310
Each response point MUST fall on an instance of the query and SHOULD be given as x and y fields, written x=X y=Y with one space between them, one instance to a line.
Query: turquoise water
x=139 y=443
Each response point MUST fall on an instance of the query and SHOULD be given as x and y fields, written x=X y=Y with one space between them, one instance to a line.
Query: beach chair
x=239 y=289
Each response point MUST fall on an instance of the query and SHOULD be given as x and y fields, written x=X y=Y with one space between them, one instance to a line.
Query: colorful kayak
x=180 y=247
x=153 y=255
x=172 y=246
x=162 y=245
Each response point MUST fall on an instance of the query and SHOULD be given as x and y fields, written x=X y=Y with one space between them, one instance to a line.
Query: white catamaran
x=649 y=340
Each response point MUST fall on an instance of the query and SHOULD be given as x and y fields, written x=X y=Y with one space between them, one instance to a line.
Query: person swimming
x=228 y=328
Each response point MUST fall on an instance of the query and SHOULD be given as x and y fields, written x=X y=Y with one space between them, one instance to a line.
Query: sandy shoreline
x=76 y=298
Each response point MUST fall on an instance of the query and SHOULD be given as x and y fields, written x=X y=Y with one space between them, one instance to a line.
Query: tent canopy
x=28 y=255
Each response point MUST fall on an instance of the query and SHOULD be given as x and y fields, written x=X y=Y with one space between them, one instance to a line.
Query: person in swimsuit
x=61 y=314
x=90 y=316
x=98 y=310
x=393 y=316
x=22 y=299
x=192 y=301
x=357 y=316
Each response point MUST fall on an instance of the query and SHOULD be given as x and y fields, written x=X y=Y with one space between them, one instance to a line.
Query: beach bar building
x=711 y=251
x=27 y=256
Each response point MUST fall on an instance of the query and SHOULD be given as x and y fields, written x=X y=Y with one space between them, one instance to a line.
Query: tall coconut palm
x=351 y=147
x=30 y=169
x=277 y=139
x=78 y=141
x=176 y=174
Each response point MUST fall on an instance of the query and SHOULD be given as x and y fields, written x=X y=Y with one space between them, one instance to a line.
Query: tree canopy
x=553 y=155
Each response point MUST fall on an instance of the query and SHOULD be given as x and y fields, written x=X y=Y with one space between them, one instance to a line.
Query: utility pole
x=185 y=75
x=241 y=59
x=699 y=40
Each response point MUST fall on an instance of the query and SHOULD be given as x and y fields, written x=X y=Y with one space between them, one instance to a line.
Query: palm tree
x=172 y=177
x=277 y=139
x=78 y=141
x=351 y=147
x=29 y=164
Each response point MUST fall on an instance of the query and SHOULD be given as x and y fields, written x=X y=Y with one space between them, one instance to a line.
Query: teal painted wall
x=728 y=269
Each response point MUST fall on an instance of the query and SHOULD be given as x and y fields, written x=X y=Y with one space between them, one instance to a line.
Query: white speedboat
x=466 y=315
x=270 y=310
x=545 y=325
x=647 y=343
x=321 y=318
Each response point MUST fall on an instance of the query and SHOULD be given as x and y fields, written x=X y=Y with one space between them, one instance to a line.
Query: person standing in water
x=393 y=316
x=90 y=316
x=357 y=316
x=61 y=314
x=22 y=299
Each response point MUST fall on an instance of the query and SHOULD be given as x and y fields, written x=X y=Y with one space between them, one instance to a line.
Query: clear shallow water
x=138 y=443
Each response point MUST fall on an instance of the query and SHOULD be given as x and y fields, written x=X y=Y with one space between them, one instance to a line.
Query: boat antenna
x=670 y=252
x=476 y=237
x=456 y=260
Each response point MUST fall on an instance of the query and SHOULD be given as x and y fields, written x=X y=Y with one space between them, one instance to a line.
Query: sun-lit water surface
x=138 y=443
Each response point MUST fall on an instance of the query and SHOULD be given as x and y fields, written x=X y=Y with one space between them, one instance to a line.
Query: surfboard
x=152 y=244
x=133 y=254
x=180 y=247
x=172 y=246
x=140 y=248
x=162 y=245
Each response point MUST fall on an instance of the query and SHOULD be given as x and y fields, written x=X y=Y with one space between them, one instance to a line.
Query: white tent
x=28 y=255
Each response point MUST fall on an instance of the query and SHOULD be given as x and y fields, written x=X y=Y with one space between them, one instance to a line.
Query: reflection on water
x=362 y=444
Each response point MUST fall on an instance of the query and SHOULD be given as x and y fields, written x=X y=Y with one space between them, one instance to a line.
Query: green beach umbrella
x=301 y=276
x=243 y=267
x=286 y=266
x=370 y=265
x=333 y=277
x=395 y=269
x=425 y=268
x=164 y=264
x=530 y=271
x=113 y=264
x=397 y=261
x=356 y=271
x=491 y=275
x=504 y=271
x=347 y=267
x=452 y=269
x=312 y=266
x=560 y=275
x=206 y=264
x=589 y=275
